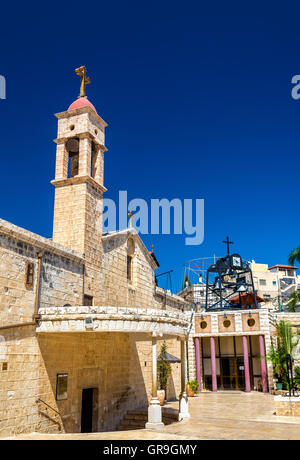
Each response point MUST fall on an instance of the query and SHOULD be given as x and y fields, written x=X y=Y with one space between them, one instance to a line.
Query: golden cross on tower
x=130 y=214
x=81 y=71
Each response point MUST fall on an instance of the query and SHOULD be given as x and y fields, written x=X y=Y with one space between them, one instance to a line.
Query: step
x=133 y=423
x=138 y=412
x=135 y=417
x=172 y=413
x=129 y=428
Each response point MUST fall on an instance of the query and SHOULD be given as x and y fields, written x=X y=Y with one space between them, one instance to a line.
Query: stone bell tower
x=79 y=177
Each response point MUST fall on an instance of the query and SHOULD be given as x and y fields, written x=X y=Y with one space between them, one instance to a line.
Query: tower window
x=72 y=147
x=94 y=157
x=73 y=164
x=29 y=274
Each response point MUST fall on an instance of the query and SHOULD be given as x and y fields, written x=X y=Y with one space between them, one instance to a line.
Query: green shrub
x=194 y=385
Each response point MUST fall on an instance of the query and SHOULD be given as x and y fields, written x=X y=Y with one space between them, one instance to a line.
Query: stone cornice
x=40 y=242
x=79 y=180
x=86 y=134
x=113 y=319
x=86 y=109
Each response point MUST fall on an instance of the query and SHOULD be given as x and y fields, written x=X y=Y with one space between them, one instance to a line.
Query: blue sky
x=198 y=100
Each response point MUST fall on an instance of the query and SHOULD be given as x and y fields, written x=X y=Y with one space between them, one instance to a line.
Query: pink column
x=263 y=364
x=213 y=364
x=198 y=362
x=246 y=364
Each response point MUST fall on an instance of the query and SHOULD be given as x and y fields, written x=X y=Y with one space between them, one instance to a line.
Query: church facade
x=82 y=319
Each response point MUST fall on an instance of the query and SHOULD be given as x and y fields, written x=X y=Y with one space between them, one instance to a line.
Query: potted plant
x=192 y=388
x=163 y=373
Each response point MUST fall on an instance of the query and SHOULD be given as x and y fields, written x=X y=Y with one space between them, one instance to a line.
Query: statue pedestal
x=154 y=416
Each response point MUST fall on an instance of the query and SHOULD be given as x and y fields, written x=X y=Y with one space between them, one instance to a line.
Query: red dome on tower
x=81 y=102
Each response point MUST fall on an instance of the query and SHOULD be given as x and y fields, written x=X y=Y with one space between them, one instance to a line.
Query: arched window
x=72 y=146
x=130 y=255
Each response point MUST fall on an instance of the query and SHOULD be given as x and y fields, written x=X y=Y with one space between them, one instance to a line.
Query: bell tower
x=79 y=177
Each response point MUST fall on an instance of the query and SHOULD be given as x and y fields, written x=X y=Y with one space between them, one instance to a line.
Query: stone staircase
x=136 y=419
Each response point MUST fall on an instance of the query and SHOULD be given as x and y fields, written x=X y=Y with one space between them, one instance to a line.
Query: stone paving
x=228 y=416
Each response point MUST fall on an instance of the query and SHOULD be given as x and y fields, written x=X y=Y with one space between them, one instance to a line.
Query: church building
x=81 y=318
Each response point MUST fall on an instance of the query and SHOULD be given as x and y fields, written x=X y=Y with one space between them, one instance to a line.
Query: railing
x=57 y=416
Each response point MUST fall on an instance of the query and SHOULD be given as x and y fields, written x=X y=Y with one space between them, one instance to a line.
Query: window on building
x=267 y=296
x=274 y=283
x=263 y=282
x=130 y=258
x=72 y=147
x=29 y=274
x=88 y=300
x=61 y=387
x=129 y=268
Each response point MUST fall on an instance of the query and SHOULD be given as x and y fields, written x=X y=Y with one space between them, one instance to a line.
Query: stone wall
x=61 y=279
x=118 y=365
x=141 y=292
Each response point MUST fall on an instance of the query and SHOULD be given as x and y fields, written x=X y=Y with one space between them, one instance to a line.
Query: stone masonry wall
x=118 y=291
x=61 y=283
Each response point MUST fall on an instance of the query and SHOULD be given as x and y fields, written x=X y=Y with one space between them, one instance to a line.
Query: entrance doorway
x=87 y=412
x=232 y=376
x=230 y=363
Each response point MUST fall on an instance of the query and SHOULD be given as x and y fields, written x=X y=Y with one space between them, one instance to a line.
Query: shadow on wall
x=171 y=390
x=107 y=363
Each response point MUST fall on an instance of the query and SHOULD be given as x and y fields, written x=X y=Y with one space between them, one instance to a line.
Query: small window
x=129 y=268
x=88 y=300
x=274 y=283
x=61 y=387
x=251 y=322
x=29 y=274
x=262 y=282
x=267 y=296
x=226 y=323
x=203 y=324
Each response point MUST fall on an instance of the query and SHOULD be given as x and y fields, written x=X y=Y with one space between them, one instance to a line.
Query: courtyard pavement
x=214 y=416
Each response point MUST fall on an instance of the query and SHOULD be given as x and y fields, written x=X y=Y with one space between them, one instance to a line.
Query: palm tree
x=294 y=255
x=294 y=299
x=286 y=343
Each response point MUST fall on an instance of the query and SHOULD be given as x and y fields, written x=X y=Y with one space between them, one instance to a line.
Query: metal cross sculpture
x=228 y=242
x=229 y=283
x=81 y=71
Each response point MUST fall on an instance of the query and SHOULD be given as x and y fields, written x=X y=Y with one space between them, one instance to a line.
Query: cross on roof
x=130 y=214
x=81 y=71
x=228 y=242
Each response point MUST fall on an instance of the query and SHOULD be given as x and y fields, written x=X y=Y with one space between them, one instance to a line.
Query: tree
x=286 y=343
x=163 y=368
x=186 y=282
x=294 y=299
x=294 y=256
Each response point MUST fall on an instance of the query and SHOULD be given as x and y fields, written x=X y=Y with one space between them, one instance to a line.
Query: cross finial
x=130 y=214
x=228 y=242
x=81 y=71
